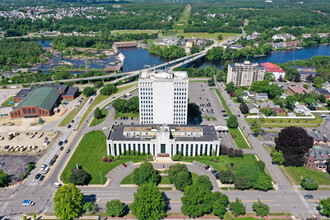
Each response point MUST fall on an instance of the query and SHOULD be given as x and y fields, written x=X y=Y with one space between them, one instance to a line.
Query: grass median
x=7 y=104
x=100 y=98
x=89 y=154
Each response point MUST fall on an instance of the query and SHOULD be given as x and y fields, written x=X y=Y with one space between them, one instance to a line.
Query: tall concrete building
x=163 y=97
x=243 y=74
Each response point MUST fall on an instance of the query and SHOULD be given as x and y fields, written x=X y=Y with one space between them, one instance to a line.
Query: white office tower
x=244 y=74
x=163 y=97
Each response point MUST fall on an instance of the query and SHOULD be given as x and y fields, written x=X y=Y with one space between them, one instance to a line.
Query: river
x=138 y=58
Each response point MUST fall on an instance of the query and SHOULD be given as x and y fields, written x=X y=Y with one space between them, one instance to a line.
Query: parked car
x=68 y=150
x=72 y=121
x=124 y=165
x=37 y=176
x=309 y=196
x=207 y=167
x=61 y=148
x=1 y=164
x=60 y=143
x=66 y=141
x=69 y=126
x=55 y=157
x=45 y=171
x=42 y=177
x=43 y=167
x=27 y=203
x=57 y=184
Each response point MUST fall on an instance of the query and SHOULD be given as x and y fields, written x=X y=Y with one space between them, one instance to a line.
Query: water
x=138 y=58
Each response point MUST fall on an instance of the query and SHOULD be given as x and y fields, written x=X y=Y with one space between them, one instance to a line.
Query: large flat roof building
x=244 y=74
x=39 y=102
x=192 y=140
x=163 y=97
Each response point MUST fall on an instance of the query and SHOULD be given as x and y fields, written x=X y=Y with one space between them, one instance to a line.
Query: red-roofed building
x=297 y=89
x=273 y=68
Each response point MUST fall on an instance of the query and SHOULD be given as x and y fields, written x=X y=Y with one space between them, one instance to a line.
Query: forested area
x=99 y=42
x=20 y=52
x=172 y=51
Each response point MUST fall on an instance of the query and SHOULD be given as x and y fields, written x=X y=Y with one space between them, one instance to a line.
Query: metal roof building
x=39 y=102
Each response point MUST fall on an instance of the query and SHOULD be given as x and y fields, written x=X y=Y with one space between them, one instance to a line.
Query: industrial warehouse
x=39 y=102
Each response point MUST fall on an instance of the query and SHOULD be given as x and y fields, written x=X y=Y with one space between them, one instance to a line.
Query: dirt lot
x=26 y=143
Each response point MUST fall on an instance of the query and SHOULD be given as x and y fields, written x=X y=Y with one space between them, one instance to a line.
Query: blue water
x=138 y=58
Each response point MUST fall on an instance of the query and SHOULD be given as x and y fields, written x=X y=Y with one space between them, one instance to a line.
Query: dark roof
x=42 y=97
x=316 y=135
x=71 y=91
x=320 y=153
x=323 y=91
x=22 y=93
x=210 y=134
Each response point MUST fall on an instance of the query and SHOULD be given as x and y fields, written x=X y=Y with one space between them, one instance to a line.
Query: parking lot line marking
x=313 y=200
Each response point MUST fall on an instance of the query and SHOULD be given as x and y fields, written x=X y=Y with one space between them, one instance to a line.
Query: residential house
x=262 y=96
x=271 y=105
x=324 y=92
x=297 y=89
x=316 y=135
x=274 y=69
x=253 y=108
x=283 y=37
x=317 y=157
x=291 y=44
x=301 y=109
x=306 y=35
x=278 y=45
x=245 y=96
x=253 y=36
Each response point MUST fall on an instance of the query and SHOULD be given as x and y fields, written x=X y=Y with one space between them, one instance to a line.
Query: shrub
x=226 y=176
x=115 y=208
x=309 y=184
x=145 y=174
x=80 y=177
x=260 y=208
x=237 y=207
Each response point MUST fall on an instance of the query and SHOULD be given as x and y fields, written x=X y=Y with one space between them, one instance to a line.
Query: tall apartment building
x=163 y=97
x=243 y=74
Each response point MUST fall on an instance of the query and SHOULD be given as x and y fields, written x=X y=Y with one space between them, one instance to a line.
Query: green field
x=281 y=123
x=184 y=18
x=297 y=172
x=6 y=103
x=100 y=98
x=224 y=161
x=96 y=122
x=213 y=36
x=88 y=155
x=129 y=115
x=239 y=139
x=134 y=31
x=73 y=113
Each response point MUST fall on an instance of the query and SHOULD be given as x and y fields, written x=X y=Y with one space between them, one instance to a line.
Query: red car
x=124 y=165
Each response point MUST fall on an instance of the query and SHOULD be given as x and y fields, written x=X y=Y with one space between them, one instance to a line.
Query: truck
x=27 y=203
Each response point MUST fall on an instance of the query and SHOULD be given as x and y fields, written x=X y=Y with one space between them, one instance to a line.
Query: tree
x=4 y=179
x=294 y=142
x=309 y=184
x=226 y=176
x=328 y=104
x=196 y=201
x=260 y=208
x=220 y=202
x=193 y=111
x=68 y=202
x=328 y=165
x=274 y=91
x=230 y=87
x=194 y=49
x=318 y=82
x=244 y=108
x=324 y=206
x=90 y=207
x=310 y=102
x=260 y=86
x=80 y=177
x=98 y=84
x=98 y=113
x=180 y=176
x=296 y=77
x=237 y=207
x=228 y=216
x=88 y=91
x=232 y=121
x=145 y=174
x=204 y=181
x=322 y=98
x=241 y=183
x=109 y=89
x=148 y=202
x=277 y=156
x=289 y=102
x=115 y=208
x=256 y=127
x=263 y=182
x=220 y=37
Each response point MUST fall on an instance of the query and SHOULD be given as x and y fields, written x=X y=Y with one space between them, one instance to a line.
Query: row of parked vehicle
x=45 y=169
x=213 y=171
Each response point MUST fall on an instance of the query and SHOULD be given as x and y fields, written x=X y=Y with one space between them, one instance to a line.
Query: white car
x=104 y=128
x=43 y=167
x=57 y=184
x=45 y=171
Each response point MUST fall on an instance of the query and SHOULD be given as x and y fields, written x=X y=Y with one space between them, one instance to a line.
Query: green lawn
x=73 y=113
x=213 y=36
x=100 y=98
x=89 y=154
x=297 y=172
x=6 y=103
x=239 y=139
x=96 y=122
x=134 y=31
x=129 y=115
x=281 y=123
x=224 y=161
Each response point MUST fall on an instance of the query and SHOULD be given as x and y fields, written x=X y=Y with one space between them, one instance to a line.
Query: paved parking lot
x=15 y=165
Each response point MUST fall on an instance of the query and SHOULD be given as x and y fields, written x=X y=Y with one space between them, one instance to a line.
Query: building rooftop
x=246 y=64
x=41 y=97
x=164 y=74
x=208 y=132
x=271 y=67
x=298 y=89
